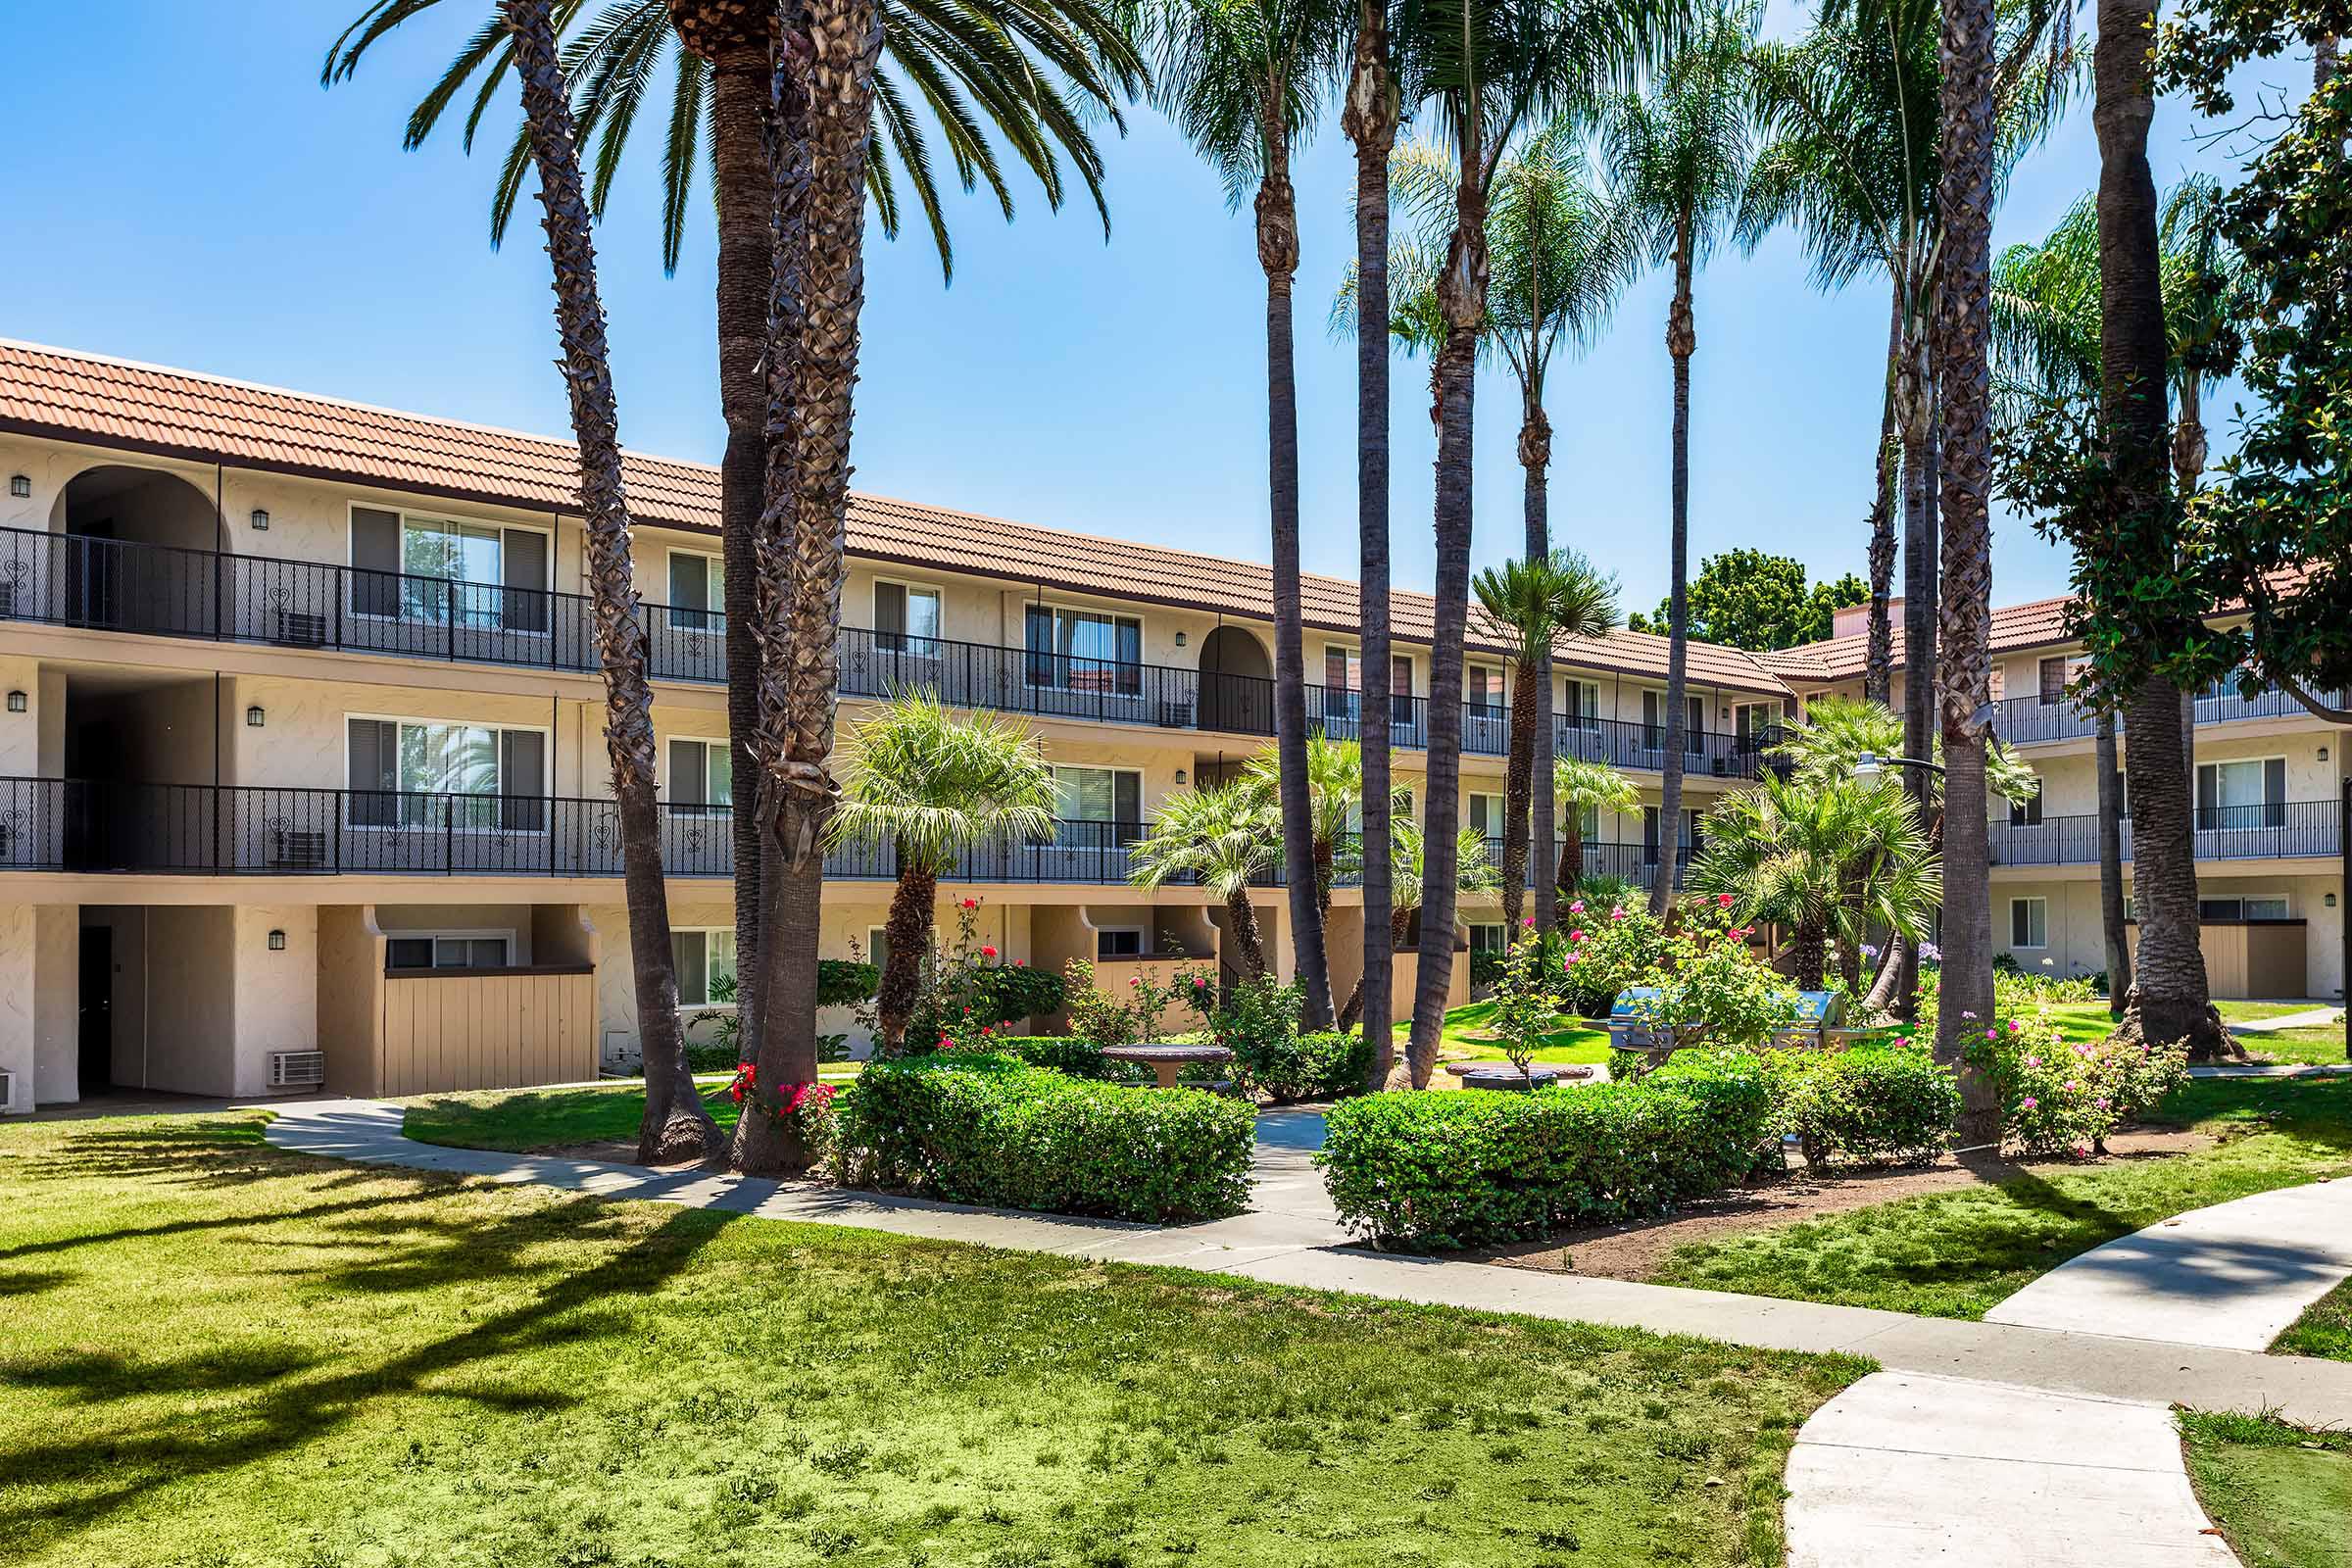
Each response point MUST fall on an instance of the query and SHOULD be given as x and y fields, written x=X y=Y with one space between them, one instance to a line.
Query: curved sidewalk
x=1292 y=1238
x=2229 y=1276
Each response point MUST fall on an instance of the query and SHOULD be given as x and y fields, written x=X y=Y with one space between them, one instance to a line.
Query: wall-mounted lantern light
x=2322 y=753
x=19 y=485
x=255 y=718
x=1180 y=639
x=16 y=702
x=260 y=519
x=2331 y=898
x=277 y=942
x=1180 y=775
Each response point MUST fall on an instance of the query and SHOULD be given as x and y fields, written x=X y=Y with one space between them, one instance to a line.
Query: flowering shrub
x=1707 y=985
x=805 y=1107
x=1609 y=947
x=1868 y=1107
x=968 y=986
x=1463 y=1169
x=2064 y=1098
x=987 y=1129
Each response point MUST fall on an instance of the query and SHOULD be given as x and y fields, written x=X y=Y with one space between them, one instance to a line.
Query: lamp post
x=1869 y=764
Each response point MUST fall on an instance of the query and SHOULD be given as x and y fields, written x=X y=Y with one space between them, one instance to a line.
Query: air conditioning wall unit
x=297 y=1069
x=299 y=849
x=300 y=628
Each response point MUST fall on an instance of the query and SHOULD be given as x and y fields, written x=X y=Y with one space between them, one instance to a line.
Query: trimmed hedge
x=1311 y=1066
x=975 y=1128
x=1464 y=1169
x=1071 y=1056
x=1890 y=1106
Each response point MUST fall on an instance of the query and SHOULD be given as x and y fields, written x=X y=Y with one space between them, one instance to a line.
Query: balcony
x=2287 y=830
x=2024 y=721
x=158 y=590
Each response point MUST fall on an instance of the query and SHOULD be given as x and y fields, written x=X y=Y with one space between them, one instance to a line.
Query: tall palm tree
x=675 y=1126
x=1492 y=66
x=1584 y=786
x=1242 y=79
x=1838 y=858
x=1560 y=255
x=1849 y=113
x=932 y=785
x=1224 y=837
x=1473 y=872
x=1527 y=605
x=1029 y=77
x=1373 y=104
x=1680 y=153
x=1334 y=795
x=2046 y=340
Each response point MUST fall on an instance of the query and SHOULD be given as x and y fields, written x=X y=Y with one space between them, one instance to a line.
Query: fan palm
x=1585 y=786
x=1408 y=873
x=1492 y=66
x=1028 y=76
x=1560 y=255
x=932 y=785
x=1225 y=837
x=1679 y=153
x=675 y=1126
x=1335 y=796
x=1242 y=79
x=1529 y=603
x=1821 y=858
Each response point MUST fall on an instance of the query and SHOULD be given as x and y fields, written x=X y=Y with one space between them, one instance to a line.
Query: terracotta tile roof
x=2035 y=624
x=117 y=403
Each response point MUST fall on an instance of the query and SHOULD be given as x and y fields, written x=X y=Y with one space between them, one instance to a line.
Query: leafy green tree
x=1679 y=153
x=1755 y=599
x=1225 y=837
x=931 y=785
x=1584 y=786
x=1335 y=797
x=1529 y=604
x=675 y=1126
x=1242 y=79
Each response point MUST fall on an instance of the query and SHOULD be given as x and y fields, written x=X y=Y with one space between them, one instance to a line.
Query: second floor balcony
x=2025 y=720
x=157 y=590
x=2278 y=830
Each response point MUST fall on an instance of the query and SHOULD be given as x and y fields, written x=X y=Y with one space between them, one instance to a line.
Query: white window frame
x=1503 y=686
x=1498 y=813
x=1142 y=935
x=913 y=586
x=706 y=932
x=352 y=504
x=1143 y=807
x=2030 y=900
x=1143 y=641
x=662 y=775
x=671 y=613
x=546 y=760
x=450 y=934
x=1501 y=940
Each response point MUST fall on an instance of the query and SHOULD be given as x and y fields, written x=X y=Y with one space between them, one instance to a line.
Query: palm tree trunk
x=736 y=42
x=908 y=933
x=1277 y=254
x=1534 y=455
x=1918 y=628
x=1399 y=923
x=1878 y=671
x=1370 y=121
x=2111 y=870
x=1572 y=848
x=1516 y=781
x=1891 y=973
x=1463 y=300
x=1682 y=341
x=1963 y=337
x=2168 y=998
x=801 y=662
x=1246 y=936
x=1809 y=955
x=675 y=1127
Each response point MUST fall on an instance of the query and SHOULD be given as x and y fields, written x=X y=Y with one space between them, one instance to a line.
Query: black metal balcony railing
x=160 y=590
x=2021 y=720
x=1633 y=863
x=2279 y=830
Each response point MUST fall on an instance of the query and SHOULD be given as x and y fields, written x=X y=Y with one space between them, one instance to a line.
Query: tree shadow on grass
x=105 y=1477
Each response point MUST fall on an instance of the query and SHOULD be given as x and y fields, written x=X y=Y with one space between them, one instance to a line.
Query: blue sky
x=182 y=191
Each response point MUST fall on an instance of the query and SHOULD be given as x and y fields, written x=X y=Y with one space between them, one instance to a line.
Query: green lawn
x=1468 y=1029
x=2088 y=1020
x=2325 y=1329
x=520 y=1120
x=2318 y=1047
x=2241 y=1011
x=2280 y=1494
x=220 y=1353
x=1956 y=1253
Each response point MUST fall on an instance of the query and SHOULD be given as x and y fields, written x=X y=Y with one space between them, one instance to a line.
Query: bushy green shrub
x=1874 y=1105
x=2064 y=1098
x=1463 y=1169
x=839 y=983
x=1072 y=1057
x=1324 y=1065
x=1486 y=967
x=988 y=1129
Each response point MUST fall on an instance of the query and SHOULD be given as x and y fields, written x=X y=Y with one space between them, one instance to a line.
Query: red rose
x=987 y=952
x=1723 y=901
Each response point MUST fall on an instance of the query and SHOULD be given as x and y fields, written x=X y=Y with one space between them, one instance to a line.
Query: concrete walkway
x=2232 y=1276
x=1903 y=1471
x=2308 y=1019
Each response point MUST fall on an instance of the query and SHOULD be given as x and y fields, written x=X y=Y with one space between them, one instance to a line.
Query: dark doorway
x=97 y=1009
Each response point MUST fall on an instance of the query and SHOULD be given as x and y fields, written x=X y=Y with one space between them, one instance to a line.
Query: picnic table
x=1167 y=1061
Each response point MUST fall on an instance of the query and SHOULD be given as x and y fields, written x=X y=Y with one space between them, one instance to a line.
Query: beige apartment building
x=302 y=779
x=2268 y=791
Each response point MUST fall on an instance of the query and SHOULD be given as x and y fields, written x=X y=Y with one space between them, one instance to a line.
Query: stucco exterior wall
x=16 y=991
x=57 y=1001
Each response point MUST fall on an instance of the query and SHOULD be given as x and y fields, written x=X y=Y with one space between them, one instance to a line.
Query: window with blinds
x=414 y=773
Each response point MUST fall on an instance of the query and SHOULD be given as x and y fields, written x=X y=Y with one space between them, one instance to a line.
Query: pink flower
x=2015 y=1026
x=2033 y=1061
x=972 y=903
x=1576 y=936
x=1992 y=1034
x=2082 y=1150
x=2028 y=1104
x=2101 y=1103
x=1578 y=907
x=1617 y=913
x=1572 y=958
x=1526 y=920
x=1723 y=901
x=987 y=952
x=1903 y=1041
x=1020 y=963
